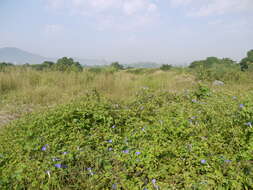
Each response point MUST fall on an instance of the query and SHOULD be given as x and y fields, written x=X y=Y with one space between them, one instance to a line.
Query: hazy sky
x=173 y=31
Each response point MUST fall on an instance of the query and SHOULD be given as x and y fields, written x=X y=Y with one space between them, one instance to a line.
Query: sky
x=162 y=31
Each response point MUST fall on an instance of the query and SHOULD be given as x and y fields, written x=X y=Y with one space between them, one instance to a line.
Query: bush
x=165 y=67
x=4 y=66
x=117 y=66
x=160 y=141
x=67 y=64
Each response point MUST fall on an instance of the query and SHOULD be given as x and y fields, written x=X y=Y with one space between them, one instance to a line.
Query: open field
x=23 y=91
x=126 y=129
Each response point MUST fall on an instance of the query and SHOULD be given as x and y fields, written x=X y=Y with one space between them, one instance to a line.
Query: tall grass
x=33 y=89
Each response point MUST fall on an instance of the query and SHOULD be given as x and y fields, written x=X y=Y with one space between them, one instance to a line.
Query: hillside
x=18 y=56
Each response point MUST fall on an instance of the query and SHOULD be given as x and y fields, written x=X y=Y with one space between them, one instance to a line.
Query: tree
x=246 y=61
x=117 y=66
x=68 y=64
x=47 y=64
x=4 y=65
x=196 y=64
x=166 y=67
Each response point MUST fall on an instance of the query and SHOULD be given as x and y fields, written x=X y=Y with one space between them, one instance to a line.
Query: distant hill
x=143 y=65
x=18 y=56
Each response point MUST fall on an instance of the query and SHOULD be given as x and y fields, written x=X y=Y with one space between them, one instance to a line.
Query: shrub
x=165 y=67
x=160 y=141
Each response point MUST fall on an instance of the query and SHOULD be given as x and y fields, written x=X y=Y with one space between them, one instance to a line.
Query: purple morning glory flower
x=114 y=186
x=193 y=117
x=44 y=148
x=138 y=153
x=241 y=106
x=203 y=161
x=110 y=141
x=126 y=151
x=194 y=101
x=249 y=124
x=58 y=165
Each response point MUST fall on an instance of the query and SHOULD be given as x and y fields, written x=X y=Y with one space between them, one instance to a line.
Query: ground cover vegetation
x=126 y=128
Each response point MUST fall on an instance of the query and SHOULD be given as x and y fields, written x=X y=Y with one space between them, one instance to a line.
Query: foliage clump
x=166 y=67
x=245 y=62
x=63 y=64
x=196 y=140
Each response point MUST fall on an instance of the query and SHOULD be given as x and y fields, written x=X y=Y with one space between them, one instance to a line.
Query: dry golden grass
x=24 y=90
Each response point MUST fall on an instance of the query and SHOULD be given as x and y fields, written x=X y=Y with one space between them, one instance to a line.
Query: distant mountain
x=18 y=56
x=143 y=65
x=91 y=62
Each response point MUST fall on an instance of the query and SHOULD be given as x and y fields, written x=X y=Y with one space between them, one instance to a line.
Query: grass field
x=127 y=129
x=23 y=91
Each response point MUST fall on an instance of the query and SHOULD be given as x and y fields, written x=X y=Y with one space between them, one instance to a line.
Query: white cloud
x=131 y=7
x=213 y=7
x=111 y=13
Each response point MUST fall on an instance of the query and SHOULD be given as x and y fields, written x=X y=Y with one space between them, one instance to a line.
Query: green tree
x=68 y=64
x=166 y=67
x=246 y=61
x=117 y=66
x=196 y=64
x=4 y=65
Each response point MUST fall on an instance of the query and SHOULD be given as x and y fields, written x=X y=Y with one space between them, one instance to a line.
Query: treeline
x=210 y=62
x=68 y=64
x=62 y=64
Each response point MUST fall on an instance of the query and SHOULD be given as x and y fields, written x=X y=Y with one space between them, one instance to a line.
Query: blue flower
x=154 y=181
x=193 y=117
x=126 y=151
x=64 y=153
x=203 y=161
x=241 y=106
x=249 y=124
x=113 y=126
x=138 y=153
x=194 y=101
x=44 y=148
x=114 y=186
x=110 y=141
x=110 y=149
x=145 y=188
x=58 y=165
x=227 y=161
